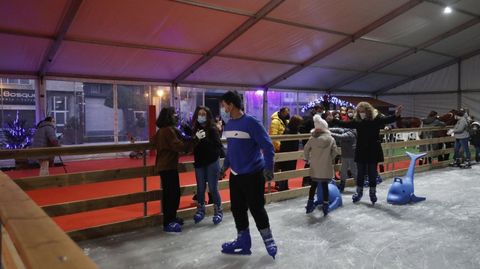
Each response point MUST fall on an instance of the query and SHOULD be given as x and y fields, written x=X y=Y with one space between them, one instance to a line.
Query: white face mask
x=350 y=115
x=363 y=115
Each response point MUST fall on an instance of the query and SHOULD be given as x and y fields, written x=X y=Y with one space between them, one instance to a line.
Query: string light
x=331 y=99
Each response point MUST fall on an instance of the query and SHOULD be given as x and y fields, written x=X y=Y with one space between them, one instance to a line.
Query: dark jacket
x=369 y=147
x=168 y=145
x=475 y=133
x=207 y=150
x=348 y=141
x=292 y=145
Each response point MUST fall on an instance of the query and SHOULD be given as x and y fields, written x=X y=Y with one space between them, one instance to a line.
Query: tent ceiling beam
x=25 y=33
x=434 y=69
x=72 y=10
x=131 y=45
x=372 y=26
x=409 y=52
x=271 y=5
x=356 y=70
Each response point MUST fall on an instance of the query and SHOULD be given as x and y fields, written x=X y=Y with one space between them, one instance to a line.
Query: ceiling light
x=447 y=10
x=159 y=93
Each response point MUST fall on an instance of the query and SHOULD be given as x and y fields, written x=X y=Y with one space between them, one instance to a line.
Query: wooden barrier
x=90 y=177
x=30 y=239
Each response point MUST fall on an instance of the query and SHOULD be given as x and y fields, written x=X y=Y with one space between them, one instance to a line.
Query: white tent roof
x=348 y=45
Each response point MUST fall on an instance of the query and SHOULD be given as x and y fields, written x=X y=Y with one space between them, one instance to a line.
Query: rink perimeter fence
x=31 y=239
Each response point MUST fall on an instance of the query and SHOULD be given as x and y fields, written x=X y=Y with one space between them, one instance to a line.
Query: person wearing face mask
x=168 y=144
x=368 y=152
x=277 y=127
x=461 y=134
x=45 y=137
x=207 y=151
x=250 y=159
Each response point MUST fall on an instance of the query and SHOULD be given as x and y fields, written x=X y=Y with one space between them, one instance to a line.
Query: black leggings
x=246 y=192
x=367 y=169
x=170 y=195
x=313 y=188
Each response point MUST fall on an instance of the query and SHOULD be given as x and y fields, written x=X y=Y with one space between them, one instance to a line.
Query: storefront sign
x=17 y=97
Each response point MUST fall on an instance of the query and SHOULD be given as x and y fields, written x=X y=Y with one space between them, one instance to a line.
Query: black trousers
x=286 y=166
x=306 y=181
x=313 y=189
x=171 y=195
x=246 y=192
x=367 y=169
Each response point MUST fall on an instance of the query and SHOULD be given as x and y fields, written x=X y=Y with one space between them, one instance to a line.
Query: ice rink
x=441 y=232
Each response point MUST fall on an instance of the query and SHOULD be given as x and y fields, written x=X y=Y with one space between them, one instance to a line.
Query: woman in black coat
x=368 y=153
x=289 y=146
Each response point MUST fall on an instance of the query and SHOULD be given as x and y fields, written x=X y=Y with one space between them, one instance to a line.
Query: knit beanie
x=320 y=123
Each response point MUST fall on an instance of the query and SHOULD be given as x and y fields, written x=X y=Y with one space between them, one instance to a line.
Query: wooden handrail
x=39 y=242
x=92 y=149
x=72 y=179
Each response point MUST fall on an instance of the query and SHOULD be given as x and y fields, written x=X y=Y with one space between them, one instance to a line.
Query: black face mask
x=287 y=117
x=175 y=120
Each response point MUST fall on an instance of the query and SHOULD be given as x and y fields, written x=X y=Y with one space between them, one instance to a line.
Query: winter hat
x=320 y=123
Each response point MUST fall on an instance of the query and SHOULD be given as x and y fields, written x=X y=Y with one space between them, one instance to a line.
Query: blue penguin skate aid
x=402 y=192
x=334 y=196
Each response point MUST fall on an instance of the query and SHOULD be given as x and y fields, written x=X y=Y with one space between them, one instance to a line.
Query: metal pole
x=1 y=244
x=265 y=120
x=115 y=114
x=145 y=203
x=459 y=85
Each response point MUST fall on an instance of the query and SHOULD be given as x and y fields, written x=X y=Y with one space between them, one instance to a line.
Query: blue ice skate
x=269 y=242
x=401 y=192
x=334 y=196
x=366 y=183
x=239 y=246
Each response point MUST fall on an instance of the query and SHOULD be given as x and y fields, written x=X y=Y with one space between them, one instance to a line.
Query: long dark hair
x=208 y=123
x=166 y=117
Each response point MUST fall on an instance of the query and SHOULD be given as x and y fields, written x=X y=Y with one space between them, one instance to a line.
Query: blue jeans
x=463 y=142
x=209 y=173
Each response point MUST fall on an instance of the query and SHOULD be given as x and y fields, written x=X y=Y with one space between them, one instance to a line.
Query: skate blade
x=239 y=252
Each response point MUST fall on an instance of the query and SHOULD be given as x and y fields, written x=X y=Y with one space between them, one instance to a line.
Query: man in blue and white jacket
x=250 y=159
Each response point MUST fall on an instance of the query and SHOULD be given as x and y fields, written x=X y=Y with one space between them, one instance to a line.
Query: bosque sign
x=18 y=97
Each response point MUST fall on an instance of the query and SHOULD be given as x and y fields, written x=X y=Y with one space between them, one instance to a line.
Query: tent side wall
x=440 y=91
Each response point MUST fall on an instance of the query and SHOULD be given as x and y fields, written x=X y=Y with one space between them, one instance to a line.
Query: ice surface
x=441 y=232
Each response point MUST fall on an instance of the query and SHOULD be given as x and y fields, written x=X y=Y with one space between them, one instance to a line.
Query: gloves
x=450 y=132
x=268 y=174
x=200 y=134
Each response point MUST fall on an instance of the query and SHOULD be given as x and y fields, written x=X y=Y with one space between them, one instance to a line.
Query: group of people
x=250 y=158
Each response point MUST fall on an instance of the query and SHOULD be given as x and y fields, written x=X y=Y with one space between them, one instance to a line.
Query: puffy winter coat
x=45 y=137
x=320 y=151
x=460 y=130
x=277 y=127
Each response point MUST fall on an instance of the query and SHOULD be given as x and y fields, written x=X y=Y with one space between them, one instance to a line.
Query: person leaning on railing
x=168 y=145
x=368 y=153
x=45 y=137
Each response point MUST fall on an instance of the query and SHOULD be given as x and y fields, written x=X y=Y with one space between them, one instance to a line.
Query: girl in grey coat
x=45 y=137
x=320 y=151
